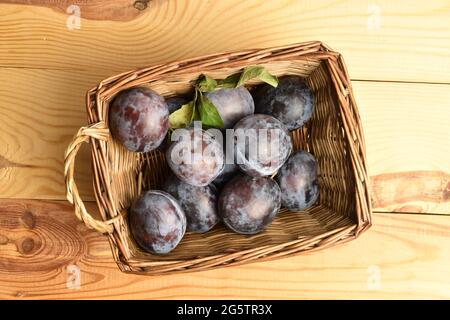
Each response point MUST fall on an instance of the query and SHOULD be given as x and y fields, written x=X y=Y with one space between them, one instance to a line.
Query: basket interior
x=323 y=136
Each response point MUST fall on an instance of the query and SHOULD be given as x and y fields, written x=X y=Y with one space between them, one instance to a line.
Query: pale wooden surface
x=398 y=56
x=384 y=40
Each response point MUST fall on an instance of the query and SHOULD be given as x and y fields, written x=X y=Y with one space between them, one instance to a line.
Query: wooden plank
x=41 y=244
x=42 y=111
x=380 y=39
x=118 y=10
x=407 y=139
x=406 y=127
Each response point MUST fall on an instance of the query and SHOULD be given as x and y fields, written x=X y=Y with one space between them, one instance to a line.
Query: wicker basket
x=334 y=135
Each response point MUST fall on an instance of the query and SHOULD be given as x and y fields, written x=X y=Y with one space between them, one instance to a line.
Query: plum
x=175 y=103
x=229 y=170
x=232 y=104
x=139 y=119
x=248 y=204
x=291 y=102
x=230 y=167
x=199 y=204
x=195 y=156
x=157 y=222
x=262 y=144
x=297 y=179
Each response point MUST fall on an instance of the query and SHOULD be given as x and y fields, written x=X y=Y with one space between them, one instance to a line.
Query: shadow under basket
x=333 y=135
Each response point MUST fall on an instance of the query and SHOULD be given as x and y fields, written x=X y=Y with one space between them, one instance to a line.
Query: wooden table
x=398 y=55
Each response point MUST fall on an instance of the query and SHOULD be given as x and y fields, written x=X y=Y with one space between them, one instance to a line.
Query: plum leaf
x=229 y=82
x=201 y=108
x=257 y=72
x=206 y=83
x=208 y=112
x=182 y=117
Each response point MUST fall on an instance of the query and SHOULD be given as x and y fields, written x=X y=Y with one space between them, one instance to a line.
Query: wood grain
x=45 y=69
x=118 y=10
x=380 y=39
x=412 y=191
x=406 y=128
x=407 y=141
x=42 y=111
x=40 y=242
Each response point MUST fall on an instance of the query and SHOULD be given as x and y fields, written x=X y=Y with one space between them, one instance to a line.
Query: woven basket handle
x=94 y=131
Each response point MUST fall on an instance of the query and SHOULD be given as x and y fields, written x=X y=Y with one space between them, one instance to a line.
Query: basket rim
x=97 y=96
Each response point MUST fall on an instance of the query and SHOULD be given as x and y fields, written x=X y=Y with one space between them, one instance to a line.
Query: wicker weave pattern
x=334 y=135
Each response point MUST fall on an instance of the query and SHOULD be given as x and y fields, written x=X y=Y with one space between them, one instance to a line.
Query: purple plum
x=157 y=222
x=232 y=104
x=297 y=179
x=262 y=144
x=139 y=119
x=195 y=157
x=248 y=204
x=199 y=204
x=291 y=102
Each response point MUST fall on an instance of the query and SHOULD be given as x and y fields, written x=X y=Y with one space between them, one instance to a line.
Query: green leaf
x=208 y=113
x=257 y=72
x=201 y=108
x=183 y=116
x=195 y=114
x=206 y=83
x=229 y=82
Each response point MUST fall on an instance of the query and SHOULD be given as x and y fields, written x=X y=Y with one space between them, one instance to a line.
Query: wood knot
x=3 y=239
x=28 y=245
x=28 y=219
x=446 y=192
x=141 y=4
